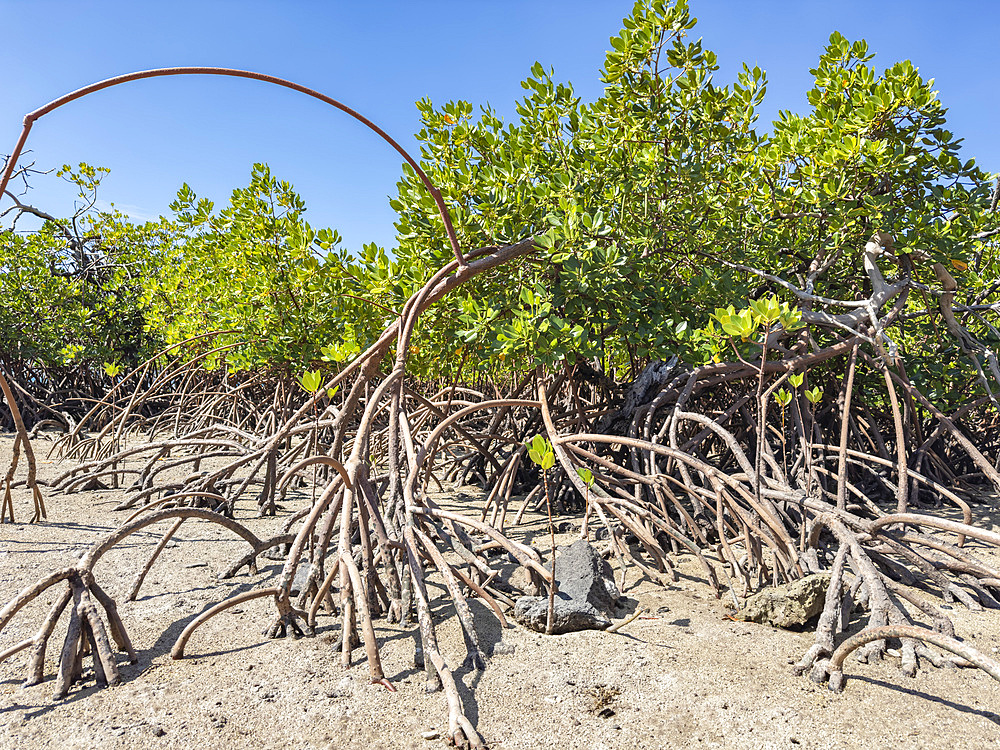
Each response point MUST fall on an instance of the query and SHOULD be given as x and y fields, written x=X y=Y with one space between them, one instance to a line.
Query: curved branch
x=985 y=663
x=91 y=558
x=29 y=120
x=177 y=652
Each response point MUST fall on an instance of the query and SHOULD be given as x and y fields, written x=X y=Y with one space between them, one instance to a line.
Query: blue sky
x=380 y=57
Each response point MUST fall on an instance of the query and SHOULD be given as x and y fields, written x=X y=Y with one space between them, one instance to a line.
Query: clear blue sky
x=380 y=57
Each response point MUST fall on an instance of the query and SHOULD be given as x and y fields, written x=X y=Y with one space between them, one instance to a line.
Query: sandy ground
x=683 y=676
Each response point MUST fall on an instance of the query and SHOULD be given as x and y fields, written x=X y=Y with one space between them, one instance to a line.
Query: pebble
x=431 y=734
x=502 y=649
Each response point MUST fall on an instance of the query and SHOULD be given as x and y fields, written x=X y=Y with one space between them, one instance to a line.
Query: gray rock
x=789 y=605
x=501 y=649
x=586 y=594
x=301 y=578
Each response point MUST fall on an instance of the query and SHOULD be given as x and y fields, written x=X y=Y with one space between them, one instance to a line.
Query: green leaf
x=539 y=444
x=586 y=475
x=311 y=380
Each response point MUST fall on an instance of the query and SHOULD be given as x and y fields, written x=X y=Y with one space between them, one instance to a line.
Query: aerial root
x=141 y=576
x=20 y=441
x=907 y=633
x=249 y=560
x=286 y=620
x=86 y=633
x=177 y=652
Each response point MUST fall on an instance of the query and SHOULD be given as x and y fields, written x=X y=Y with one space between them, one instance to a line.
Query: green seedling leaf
x=539 y=444
x=310 y=381
x=815 y=395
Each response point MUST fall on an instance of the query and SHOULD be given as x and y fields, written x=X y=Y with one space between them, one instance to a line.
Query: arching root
x=969 y=654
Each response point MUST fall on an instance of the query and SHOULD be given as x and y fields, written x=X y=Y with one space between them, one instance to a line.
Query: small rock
x=502 y=649
x=789 y=605
x=301 y=578
x=586 y=594
x=157 y=730
x=431 y=734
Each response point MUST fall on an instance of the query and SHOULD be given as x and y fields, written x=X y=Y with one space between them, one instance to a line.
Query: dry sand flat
x=685 y=677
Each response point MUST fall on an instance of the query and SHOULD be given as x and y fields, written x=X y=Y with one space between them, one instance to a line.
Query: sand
x=682 y=675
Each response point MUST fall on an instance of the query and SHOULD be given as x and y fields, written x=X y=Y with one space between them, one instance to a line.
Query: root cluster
x=686 y=461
